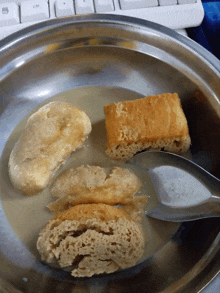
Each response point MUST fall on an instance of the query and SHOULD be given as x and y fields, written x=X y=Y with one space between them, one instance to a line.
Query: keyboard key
x=104 y=6
x=133 y=4
x=64 y=8
x=34 y=10
x=84 y=6
x=9 y=14
x=167 y=2
x=174 y=16
x=186 y=1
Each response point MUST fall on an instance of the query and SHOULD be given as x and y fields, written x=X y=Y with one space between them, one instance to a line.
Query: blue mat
x=208 y=33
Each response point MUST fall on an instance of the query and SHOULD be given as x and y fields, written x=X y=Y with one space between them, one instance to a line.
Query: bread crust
x=51 y=135
x=91 y=239
x=155 y=122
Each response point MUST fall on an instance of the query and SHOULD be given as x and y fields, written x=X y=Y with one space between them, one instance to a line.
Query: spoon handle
x=207 y=209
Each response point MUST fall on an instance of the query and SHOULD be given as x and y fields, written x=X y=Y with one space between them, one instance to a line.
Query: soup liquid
x=27 y=215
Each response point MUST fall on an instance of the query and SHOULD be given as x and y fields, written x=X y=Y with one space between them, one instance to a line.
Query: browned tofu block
x=152 y=123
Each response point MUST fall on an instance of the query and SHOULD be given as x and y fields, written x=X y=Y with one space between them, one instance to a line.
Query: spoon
x=185 y=191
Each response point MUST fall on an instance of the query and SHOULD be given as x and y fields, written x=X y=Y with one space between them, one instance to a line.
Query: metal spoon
x=185 y=191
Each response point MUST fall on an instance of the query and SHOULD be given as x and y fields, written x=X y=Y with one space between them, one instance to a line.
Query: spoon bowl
x=185 y=191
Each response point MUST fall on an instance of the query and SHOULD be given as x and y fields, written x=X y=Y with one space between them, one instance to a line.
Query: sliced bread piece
x=152 y=123
x=92 y=184
x=51 y=135
x=91 y=239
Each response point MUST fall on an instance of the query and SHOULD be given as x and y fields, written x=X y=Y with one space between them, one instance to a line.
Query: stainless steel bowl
x=117 y=58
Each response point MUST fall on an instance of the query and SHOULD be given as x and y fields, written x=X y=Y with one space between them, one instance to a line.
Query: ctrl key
x=9 y=14
x=34 y=10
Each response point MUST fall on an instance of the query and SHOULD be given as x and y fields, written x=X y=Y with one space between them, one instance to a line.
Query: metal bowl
x=107 y=58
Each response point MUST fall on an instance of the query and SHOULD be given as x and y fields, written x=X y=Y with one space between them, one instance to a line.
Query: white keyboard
x=176 y=14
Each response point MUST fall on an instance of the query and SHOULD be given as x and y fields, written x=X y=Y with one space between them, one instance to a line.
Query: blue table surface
x=208 y=33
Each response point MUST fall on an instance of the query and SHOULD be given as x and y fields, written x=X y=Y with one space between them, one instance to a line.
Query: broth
x=27 y=215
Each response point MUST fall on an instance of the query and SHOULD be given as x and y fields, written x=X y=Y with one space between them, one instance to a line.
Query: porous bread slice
x=91 y=184
x=51 y=135
x=91 y=239
x=152 y=123
x=89 y=177
x=100 y=212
